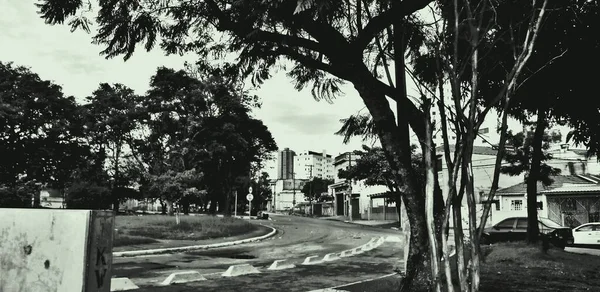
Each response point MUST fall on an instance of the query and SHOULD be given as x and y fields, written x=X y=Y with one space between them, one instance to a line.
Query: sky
x=295 y=119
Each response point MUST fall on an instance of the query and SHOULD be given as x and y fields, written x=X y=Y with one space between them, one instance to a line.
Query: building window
x=497 y=206
x=484 y=130
x=540 y=205
x=570 y=205
x=516 y=205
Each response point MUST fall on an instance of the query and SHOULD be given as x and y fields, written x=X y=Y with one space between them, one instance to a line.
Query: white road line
x=359 y=282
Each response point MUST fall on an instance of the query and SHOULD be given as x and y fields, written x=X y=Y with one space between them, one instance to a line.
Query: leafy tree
x=313 y=188
x=528 y=157
x=85 y=195
x=40 y=131
x=199 y=128
x=327 y=41
x=262 y=191
x=111 y=116
x=373 y=169
x=520 y=159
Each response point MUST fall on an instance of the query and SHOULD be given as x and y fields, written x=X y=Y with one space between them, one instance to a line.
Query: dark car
x=515 y=229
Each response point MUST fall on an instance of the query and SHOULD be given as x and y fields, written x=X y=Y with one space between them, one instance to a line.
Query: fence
x=317 y=209
x=379 y=213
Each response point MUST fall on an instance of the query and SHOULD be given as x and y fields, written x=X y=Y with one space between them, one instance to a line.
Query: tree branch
x=384 y=20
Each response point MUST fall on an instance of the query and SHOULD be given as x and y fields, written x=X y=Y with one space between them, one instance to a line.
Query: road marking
x=354 y=283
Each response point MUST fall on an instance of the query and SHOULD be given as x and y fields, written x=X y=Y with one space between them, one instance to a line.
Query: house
x=570 y=200
x=52 y=198
x=286 y=194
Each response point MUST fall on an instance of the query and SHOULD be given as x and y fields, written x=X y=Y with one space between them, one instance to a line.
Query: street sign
x=249 y=197
x=250 y=190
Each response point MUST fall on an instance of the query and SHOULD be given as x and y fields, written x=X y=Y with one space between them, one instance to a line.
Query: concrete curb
x=281 y=265
x=238 y=270
x=193 y=247
x=331 y=257
x=312 y=260
x=183 y=277
x=122 y=284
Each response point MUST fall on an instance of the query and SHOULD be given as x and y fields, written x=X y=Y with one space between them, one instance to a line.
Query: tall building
x=309 y=164
x=285 y=164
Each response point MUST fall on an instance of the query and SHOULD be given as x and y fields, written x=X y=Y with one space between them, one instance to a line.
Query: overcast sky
x=295 y=118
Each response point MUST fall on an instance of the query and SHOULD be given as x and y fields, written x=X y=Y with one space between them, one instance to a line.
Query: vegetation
x=150 y=228
x=314 y=188
x=472 y=57
x=177 y=142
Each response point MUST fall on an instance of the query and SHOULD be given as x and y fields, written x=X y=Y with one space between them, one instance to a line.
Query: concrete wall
x=55 y=250
x=506 y=212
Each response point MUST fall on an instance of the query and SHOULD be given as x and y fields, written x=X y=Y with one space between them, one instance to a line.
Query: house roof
x=561 y=184
x=574 y=189
x=477 y=150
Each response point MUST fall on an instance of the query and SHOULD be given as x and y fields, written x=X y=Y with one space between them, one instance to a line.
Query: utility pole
x=350 y=188
x=293 y=190
x=310 y=181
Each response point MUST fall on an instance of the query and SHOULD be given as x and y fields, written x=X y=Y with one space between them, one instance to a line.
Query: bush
x=88 y=196
x=15 y=197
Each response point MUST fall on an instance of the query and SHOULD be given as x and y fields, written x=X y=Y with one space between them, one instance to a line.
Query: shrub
x=88 y=196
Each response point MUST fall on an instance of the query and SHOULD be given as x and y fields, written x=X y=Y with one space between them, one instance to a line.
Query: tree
x=373 y=169
x=328 y=41
x=198 y=124
x=263 y=191
x=110 y=121
x=40 y=132
x=84 y=195
x=313 y=188
x=528 y=157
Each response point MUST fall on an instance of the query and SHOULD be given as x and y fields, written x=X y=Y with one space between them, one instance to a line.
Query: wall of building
x=285 y=164
x=314 y=164
x=508 y=209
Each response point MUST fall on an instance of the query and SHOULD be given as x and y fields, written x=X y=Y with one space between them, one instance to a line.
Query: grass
x=518 y=267
x=150 y=228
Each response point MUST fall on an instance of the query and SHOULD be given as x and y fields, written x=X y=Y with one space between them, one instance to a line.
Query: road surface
x=297 y=238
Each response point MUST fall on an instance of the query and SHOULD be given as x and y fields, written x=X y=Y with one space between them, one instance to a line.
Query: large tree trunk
x=395 y=141
x=532 y=179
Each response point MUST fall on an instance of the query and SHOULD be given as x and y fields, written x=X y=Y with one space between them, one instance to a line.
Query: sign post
x=250 y=197
x=235 y=207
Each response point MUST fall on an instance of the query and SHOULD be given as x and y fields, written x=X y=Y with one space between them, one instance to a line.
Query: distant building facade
x=286 y=193
x=309 y=164
x=343 y=161
x=285 y=164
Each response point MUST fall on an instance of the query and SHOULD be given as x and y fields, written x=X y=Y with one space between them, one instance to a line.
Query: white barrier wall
x=45 y=250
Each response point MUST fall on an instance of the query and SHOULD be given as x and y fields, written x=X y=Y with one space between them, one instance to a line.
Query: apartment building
x=309 y=164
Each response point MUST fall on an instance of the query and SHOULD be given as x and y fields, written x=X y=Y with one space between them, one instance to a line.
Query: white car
x=587 y=234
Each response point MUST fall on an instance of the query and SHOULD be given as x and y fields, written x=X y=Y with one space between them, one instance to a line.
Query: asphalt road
x=297 y=238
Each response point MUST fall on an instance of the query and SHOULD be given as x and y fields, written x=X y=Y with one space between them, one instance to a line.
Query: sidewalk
x=260 y=231
x=386 y=224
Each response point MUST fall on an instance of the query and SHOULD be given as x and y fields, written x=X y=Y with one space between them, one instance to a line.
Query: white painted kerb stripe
x=193 y=247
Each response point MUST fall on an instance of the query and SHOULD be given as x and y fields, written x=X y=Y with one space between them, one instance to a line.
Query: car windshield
x=549 y=223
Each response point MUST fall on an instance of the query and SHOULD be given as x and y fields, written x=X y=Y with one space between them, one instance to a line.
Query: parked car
x=587 y=235
x=515 y=229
